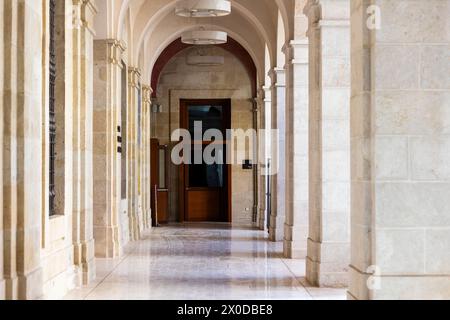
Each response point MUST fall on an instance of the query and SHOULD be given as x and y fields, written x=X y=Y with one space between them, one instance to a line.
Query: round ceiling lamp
x=203 y=8
x=204 y=37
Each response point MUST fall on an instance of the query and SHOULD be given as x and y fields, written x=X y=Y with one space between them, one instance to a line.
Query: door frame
x=226 y=104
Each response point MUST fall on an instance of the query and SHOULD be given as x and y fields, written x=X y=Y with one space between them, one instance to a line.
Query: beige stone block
x=396 y=67
x=412 y=113
x=391 y=158
x=430 y=158
x=414 y=21
x=411 y=205
x=400 y=251
x=413 y=288
x=437 y=253
x=435 y=66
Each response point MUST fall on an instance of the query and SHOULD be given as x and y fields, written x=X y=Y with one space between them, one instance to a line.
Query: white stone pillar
x=296 y=158
x=82 y=194
x=107 y=118
x=146 y=149
x=400 y=124
x=134 y=210
x=264 y=146
x=329 y=234
x=277 y=216
x=22 y=147
x=2 y=57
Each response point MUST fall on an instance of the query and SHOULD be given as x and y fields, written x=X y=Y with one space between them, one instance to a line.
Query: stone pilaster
x=400 y=124
x=146 y=149
x=262 y=161
x=329 y=234
x=296 y=145
x=2 y=56
x=277 y=216
x=22 y=148
x=134 y=209
x=107 y=160
x=82 y=194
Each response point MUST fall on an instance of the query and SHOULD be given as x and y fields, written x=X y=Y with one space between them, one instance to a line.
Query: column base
x=295 y=244
x=318 y=277
x=86 y=264
x=327 y=264
x=58 y=286
x=11 y=288
x=276 y=229
x=30 y=286
x=293 y=250
x=396 y=287
x=262 y=219
x=2 y=290
x=107 y=243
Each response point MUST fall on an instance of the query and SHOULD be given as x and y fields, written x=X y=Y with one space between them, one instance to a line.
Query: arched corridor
x=214 y=149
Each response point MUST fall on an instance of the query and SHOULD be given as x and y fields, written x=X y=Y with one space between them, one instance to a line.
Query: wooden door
x=159 y=183
x=205 y=189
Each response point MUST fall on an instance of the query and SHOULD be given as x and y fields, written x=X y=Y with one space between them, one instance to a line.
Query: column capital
x=278 y=77
x=83 y=14
x=134 y=77
x=147 y=94
x=115 y=50
x=327 y=13
x=267 y=93
x=297 y=52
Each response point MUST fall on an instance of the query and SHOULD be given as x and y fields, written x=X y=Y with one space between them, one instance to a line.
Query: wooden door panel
x=163 y=206
x=203 y=205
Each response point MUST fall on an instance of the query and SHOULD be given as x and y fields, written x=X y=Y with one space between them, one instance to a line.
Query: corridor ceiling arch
x=261 y=14
x=232 y=46
x=155 y=48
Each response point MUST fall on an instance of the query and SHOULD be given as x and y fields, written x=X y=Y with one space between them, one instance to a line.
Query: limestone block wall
x=180 y=81
x=400 y=151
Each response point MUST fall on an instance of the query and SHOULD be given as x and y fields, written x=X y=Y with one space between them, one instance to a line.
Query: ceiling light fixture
x=204 y=37
x=203 y=8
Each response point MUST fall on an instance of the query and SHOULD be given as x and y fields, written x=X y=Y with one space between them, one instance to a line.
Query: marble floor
x=202 y=261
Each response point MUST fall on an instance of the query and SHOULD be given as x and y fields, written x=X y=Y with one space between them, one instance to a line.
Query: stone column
x=22 y=146
x=133 y=153
x=277 y=216
x=2 y=56
x=400 y=124
x=329 y=234
x=146 y=149
x=82 y=194
x=296 y=159
x=264 y=102
x=107 y=107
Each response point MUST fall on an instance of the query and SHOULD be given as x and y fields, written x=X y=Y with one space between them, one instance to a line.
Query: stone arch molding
x=257 y=17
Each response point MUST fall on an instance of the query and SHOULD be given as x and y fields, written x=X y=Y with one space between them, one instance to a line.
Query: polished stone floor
x=202 y=261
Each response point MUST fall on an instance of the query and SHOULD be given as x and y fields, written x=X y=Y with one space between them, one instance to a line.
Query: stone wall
x=400 y=151
x=181 y=81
